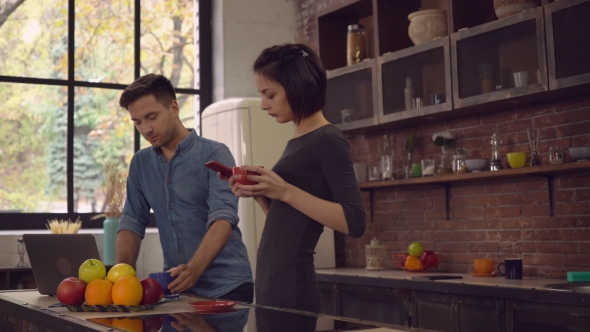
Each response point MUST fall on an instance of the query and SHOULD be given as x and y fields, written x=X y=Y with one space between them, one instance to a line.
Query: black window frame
x=29 y=221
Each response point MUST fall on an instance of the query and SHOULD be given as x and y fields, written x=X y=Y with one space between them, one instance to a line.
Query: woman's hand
x=269 y=184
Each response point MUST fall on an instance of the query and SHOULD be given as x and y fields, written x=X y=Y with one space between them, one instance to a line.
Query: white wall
x=241 y=30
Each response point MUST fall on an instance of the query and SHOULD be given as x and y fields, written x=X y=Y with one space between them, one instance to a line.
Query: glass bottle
x=496 y=163
x=486 y=78
x=459 y=158
x=356 y=45
x=409 y=94
x=386 y=160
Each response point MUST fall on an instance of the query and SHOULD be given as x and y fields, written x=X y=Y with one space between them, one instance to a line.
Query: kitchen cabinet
x=427 y=69
x=547 y=44
x=524 y=316
x=468 y=304
x=16 y=277
x=504 y=48
x=352 y=95
x=568 y=46
x=377 y=304
x=449 y=312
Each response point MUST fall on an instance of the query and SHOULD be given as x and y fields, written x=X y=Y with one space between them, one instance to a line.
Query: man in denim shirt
x=195 y=211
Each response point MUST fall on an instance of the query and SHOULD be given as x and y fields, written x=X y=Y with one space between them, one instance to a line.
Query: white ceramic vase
x=425 y=25
x=505 y=8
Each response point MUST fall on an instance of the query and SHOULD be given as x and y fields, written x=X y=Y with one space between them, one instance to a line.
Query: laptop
x=55 y=257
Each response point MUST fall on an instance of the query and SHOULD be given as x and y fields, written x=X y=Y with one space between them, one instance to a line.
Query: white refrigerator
x=255 y=138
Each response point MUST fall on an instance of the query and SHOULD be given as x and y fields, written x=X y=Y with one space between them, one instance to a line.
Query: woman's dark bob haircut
x=301 y=73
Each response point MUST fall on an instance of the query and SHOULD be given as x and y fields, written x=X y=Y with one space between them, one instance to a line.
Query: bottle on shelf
x=409 y=94
x=386 y=160
x=496 y=163
x=356 y=45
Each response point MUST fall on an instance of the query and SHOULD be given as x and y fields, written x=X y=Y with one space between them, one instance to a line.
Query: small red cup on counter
x=241 y=176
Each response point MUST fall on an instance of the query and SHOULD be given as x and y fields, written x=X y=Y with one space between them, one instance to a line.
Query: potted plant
x=410 y=144
x=445 y=140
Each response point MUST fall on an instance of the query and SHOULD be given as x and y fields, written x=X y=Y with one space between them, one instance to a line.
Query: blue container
x=110 y=226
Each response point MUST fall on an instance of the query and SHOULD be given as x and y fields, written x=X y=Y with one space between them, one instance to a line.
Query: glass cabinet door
x=416 y=81
x=351 y=95
x=500 y=60
x=568 y=43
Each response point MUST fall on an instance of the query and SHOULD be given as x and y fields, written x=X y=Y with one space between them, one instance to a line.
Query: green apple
x=92 y=269
x=415 y=249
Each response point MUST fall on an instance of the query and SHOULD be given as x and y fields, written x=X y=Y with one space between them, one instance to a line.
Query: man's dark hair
x=151 y=84
x=301 y=73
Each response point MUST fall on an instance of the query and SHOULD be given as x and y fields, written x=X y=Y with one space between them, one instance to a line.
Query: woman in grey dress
x=311 y=186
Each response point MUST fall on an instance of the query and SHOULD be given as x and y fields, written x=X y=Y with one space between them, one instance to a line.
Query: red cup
x=241 y=176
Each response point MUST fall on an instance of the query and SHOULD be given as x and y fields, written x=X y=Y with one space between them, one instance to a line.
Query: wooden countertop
x=498 y=281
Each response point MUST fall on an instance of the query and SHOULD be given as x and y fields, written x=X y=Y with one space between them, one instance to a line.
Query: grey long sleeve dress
x=319 y=163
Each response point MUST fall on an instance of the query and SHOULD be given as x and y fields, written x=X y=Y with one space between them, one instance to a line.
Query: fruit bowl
x=115 y=308
x=399 y=260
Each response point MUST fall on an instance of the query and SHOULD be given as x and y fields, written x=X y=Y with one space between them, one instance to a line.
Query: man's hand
x=185 y=278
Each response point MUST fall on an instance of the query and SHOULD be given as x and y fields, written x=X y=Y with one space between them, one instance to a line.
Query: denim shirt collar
x=182 y=146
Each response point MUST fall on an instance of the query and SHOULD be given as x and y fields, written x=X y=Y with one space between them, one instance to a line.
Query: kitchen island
x=467 y=304
x=27 y=310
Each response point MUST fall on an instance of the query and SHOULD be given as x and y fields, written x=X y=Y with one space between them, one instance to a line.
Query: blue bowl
x=476 y=165
x=164 y=278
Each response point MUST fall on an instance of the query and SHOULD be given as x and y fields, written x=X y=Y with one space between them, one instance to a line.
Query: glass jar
x=486 y=78
x=356 y=45
x=459 y=158
x=556 y=155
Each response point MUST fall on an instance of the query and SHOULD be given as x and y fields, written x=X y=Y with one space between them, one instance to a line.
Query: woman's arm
x=263 y=202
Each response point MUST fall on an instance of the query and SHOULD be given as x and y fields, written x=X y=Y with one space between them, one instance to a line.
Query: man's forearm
x=214 y=241
x=128 y=244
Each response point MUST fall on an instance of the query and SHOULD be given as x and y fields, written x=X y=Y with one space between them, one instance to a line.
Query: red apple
x=71 y=291
x=153 y=323
x=429 y=259
x=152 y=291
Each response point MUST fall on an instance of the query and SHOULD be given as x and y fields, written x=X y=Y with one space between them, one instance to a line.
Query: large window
x=63 y=66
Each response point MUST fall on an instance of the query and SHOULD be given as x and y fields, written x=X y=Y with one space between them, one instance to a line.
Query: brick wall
x=499 y=219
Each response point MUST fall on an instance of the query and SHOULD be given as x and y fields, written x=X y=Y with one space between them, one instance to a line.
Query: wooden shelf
x=547 y=171
x=543 y=170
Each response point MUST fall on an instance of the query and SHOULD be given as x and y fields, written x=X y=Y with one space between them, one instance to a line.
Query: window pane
x=33 y=150
x=189 y=108
x=34 y=38
x=103 y=134
x=168 y=42
x=104 y=41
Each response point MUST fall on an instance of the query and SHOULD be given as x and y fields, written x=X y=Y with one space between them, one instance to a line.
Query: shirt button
x=175 y=228
x=168 y=182
x=170 y=207
x=180 y=251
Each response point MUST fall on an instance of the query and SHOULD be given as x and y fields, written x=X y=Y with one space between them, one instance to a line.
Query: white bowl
x=580 y=153
x=476 y=165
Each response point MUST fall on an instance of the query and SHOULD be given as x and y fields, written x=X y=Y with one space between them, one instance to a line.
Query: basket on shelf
x=427 y=264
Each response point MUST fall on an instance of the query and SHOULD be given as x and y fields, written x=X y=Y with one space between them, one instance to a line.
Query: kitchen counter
x=29 y=310
x=499 y=287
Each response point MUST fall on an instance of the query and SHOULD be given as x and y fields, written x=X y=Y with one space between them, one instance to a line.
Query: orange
x=130 y=325
x=413 y=263
x=98 y=292
x=127 y=291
